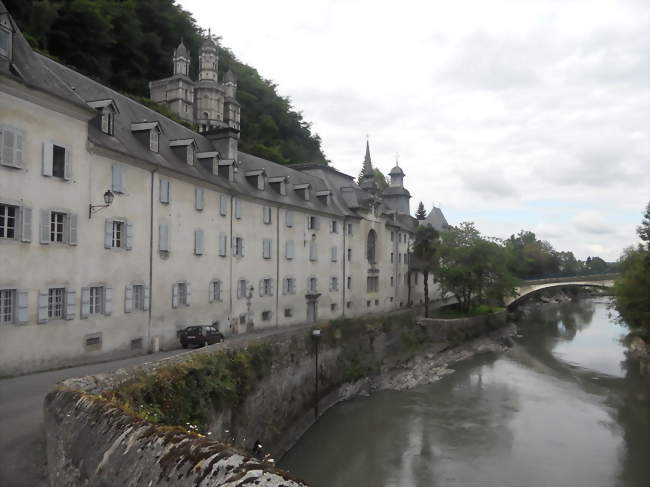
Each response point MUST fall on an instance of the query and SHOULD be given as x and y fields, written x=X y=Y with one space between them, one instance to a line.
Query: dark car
x=199 y=335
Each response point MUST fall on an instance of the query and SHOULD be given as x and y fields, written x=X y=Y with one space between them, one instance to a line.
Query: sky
x=515 y=115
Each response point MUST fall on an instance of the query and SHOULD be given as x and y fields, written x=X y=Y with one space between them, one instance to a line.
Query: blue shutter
x=22 y=300
x=25 y=224
x=128 y=298
x=129 y=236
x=43 y=295
x=85 y=302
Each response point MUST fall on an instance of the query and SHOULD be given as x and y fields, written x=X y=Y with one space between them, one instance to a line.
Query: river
x=562 y=408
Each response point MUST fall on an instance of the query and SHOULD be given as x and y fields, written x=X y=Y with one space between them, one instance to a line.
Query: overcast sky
x=511 y=114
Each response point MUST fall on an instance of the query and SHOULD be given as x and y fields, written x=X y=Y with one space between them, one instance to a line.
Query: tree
x=425 y=257
x=473 y=268
x=643 y=230
x=420 y=213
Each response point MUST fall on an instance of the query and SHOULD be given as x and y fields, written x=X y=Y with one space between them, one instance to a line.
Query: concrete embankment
x=193 y=420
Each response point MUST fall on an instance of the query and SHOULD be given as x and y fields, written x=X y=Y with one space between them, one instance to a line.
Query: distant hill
x=126 y=43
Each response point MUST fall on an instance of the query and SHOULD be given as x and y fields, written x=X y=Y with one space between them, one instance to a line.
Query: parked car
x=199 y=335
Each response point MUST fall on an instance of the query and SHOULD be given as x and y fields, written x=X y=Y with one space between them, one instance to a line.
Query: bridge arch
x=530 y=288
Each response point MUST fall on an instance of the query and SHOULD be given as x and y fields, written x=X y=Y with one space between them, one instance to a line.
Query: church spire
x=367 y=176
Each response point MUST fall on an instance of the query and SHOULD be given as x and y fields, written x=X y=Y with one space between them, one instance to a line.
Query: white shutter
x=188 y=299
x=108 y=233
x=285 y=286
x=67 y=169
x=223 y=205
x=316 y=223
x=163 y=237
x=272 y=288
x=104 y=119
x=289 y=218
x=239 y=289
x=108 y=300
x=146 y=297
x=47 y=158
x=129 y=236
x=211 y=292
x=242 y=247
x=164 y=191
x=73 y=229
x=199 y=196
x=116 y=174
x=25 y=224
x=289 y=249
x=334 y=254
x=198 y=242
x=219 y=297
x=237 y=203
x=174 y=295
x=223 y=242
x=85 y=302
x=45 y=227
x=43 y=295
x=128 y=298
x=22 y=299
x=261 y=287
x=70 y=303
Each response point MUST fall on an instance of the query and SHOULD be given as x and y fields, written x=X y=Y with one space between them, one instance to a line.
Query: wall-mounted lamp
x=108 y=199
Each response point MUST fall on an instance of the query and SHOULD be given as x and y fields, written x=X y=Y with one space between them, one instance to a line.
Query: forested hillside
x=127 y=43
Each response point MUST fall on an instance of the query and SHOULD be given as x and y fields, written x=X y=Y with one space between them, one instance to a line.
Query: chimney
x=225 y=140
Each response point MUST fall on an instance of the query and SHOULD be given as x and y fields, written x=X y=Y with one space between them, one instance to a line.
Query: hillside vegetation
x=127 y=43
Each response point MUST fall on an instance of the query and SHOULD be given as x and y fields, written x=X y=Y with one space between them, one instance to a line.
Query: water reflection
x=530 y=418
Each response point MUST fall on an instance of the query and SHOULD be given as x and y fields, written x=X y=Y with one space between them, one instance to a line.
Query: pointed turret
x=367 y=177
x=181 y=60
x=396 y=196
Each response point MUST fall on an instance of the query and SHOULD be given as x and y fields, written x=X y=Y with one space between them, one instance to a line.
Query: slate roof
x=436 y=219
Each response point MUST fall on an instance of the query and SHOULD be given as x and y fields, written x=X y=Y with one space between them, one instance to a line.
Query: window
x=288 y=312
x=372 y=284
x=334 y=284
x=289 y=286
x=349 y=255
x=376 y=302
x=118 y=178
x=289 y=218
x=118 y=233
x=199 y=246
x=163 y=238
x=223 y=205
x=153 y=140
x=8 y=215
x=237 y=205
x=392 y=236
x=181 y=292
x=96 y=300
x=371 y=244
x=199 y=198
x=312 y=223
x=190 y=152
x=399 y=258
x=416 y=278
x=335 y=227
x=58 y=161
x=238 y=247
x=312 y=285
x=242 y=288
x=11 y=145
x=139 y=297
x=223 y=244
x=392 y=257
x=334 y=254
x=55 y=302
x=333 y=306
x=392 y=281
x=266 y=248
x=349 y=228
x=349 y=282
x=108 y=121
x=266 y=215
x=313 y=251
x=266 y=315
x=57 y=226
x=214 y=291
x=348 y=304
x=7 y=306
x=266 y=287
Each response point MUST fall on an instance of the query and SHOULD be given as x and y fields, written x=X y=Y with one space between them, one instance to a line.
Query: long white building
x=196 y=232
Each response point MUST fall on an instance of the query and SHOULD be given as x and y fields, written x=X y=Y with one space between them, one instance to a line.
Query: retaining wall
x=93 y=440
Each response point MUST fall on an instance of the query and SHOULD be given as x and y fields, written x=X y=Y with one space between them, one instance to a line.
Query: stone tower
x=396 y=196
x=209 y=93
x=177 y=91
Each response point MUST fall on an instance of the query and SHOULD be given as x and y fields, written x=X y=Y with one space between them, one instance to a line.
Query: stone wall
x=94 y=439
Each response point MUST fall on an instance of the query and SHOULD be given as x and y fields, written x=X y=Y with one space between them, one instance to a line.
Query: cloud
x=592 y=222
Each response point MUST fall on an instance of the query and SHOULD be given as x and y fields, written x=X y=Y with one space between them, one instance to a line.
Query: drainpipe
x=151 y=227
x=344 y=258
x=229 y=254
x=277 y=266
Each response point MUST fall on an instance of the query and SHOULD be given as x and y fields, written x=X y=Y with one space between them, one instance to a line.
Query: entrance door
x=312 y=311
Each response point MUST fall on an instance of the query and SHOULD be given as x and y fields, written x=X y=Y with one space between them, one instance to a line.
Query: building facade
x=119 y=227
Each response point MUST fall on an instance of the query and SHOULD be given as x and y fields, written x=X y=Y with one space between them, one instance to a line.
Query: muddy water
x=562 y=408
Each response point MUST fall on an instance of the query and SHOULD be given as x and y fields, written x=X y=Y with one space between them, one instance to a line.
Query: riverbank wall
x=194 y=419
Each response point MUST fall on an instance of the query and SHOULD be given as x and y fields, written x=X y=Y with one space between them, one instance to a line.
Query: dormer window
x=324 y=196
x=302 y=190
x=227 y=169
x=153 y=129
x=279 y=183
x=184 y=149
x=6 y=32
x=209 y=160
x=257 y=177
x=107 y=111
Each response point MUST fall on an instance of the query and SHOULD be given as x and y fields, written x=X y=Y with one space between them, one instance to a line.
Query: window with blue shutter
x=199 y=196
x=223 y=205
x=11 y=147
x=165 y=191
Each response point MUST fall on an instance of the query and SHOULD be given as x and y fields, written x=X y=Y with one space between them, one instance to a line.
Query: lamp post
x=108 y=199
x=249 y=315
x=315 y=334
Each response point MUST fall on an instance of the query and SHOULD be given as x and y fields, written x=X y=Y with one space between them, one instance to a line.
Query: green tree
x=425 y=257
x=473 y=268
x=420 y=213
x=643 y=230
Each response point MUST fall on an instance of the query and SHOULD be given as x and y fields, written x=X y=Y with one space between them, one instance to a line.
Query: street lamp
x=315 y=335
x=249 y=315
x=108 y=199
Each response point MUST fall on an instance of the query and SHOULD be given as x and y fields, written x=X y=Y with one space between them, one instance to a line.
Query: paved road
x=22 y=437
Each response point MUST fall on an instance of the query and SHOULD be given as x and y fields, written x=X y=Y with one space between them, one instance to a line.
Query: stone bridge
x=528 y=288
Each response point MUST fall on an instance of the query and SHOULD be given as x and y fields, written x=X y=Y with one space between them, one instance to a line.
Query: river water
x=562 y=408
